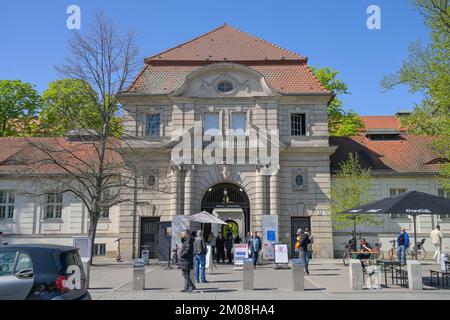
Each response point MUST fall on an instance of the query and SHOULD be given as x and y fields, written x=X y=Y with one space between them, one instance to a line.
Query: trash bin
x=444 y=258
x=145 y=254
x=138 y=274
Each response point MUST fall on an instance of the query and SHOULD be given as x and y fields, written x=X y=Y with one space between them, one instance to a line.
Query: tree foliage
x=18 y=104
x=351 y=188
x=427 y=70
x=67 y=106
x=340 y=121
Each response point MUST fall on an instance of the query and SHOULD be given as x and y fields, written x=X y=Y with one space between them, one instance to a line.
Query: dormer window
x=225 y=87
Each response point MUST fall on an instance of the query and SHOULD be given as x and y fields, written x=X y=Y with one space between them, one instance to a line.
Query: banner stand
x=281 y=256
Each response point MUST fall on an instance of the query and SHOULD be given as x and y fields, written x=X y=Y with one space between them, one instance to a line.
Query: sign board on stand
x=240 y=254
x=281 y=254
x=270 y=235
x=84 y=245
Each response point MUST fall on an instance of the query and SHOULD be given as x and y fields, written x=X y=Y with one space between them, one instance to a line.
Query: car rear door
x=16 y=274
x=69 y=260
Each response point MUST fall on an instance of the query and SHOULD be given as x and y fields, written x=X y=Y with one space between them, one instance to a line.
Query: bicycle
x=421 y=253
x=349 y=247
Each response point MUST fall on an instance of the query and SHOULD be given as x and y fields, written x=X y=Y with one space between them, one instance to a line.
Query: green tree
x=340 y=122
x=350 y=189
x=427 y=70
x=70 y=104
x=18 y=104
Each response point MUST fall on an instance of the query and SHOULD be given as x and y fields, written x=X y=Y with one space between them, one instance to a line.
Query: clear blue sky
x=330 y=33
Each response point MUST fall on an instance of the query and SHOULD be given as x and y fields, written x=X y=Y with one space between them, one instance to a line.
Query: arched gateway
x=230 y=203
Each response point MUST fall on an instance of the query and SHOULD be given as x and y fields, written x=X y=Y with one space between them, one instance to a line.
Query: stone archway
x=228 y=201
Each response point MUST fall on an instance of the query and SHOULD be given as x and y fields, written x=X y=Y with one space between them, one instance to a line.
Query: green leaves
x=427 y=70
x=340 y=121
x=351 y=188
x=18 y=105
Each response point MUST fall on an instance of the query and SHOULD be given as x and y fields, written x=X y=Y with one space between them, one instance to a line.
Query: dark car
x=41 y=272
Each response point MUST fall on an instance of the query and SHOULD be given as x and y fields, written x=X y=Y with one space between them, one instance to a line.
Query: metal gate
x=150 y=237
x=298 y=223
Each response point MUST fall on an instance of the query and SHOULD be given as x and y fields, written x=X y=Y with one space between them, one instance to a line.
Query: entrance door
x=164 y=241
x=150 y=236
x=298 y=223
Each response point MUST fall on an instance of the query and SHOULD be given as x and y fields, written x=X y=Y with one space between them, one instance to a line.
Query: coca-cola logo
x=418 y=211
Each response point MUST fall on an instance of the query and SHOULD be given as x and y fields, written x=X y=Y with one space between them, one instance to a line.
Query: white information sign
x=268 y=251
x=281 y=253
x=240 y=253
x=208 y=256
x=84 y=246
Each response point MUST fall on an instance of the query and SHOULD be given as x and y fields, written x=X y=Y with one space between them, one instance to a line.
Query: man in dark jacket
x=220 y=247
x=186 y=260
x=304 y=256
x=229 y=246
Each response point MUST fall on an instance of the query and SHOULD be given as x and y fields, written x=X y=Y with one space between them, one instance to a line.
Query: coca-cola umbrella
x=412 y=203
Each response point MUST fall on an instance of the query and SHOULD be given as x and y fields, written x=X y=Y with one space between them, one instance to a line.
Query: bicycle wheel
x=391 y=253
x=421 y=254
x=346 y=258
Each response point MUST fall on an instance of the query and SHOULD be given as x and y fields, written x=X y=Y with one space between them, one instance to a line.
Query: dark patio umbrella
x=412 y=203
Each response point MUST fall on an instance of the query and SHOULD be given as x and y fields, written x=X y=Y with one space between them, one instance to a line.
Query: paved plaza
x=329 y=279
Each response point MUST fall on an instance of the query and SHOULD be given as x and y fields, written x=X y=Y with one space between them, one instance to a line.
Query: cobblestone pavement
x=328 y=280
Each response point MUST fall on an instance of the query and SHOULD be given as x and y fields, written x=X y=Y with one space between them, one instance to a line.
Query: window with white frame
x=104 y=214
x=100 y=249
x=445 y=194
x=153 y=125
x=6 y=204
x=53 y=206
x=393 y=192
x=298 y=124
x=239 y=122
x=211 y=124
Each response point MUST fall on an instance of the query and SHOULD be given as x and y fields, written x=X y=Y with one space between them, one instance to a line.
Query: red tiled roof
x=285 y=79
x=381 y=122
x=225 y=43
x=28 y=156
x=411 y=154
x=283 y=70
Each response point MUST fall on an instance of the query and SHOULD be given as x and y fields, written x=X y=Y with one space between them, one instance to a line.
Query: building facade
x=227 y=83
x=227 y=79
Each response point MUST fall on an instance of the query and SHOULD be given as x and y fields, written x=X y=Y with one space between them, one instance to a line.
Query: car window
x=71 y=258
x=7 y=259
x=23 y=262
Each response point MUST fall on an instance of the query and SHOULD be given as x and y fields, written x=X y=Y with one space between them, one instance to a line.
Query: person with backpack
x=200 y=251
x=402 y=245
x=304 y=256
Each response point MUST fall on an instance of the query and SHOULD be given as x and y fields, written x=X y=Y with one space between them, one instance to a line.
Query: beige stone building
x=228 y=79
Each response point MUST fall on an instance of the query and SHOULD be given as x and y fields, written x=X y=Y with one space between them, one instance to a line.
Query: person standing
x=248 y=237
x=254 y=246
x=212 y=243
x=310 y=245
x=200 y=250
x=220 y=246
x=229 y=246
x=186 y=261
x=304 y=257
x=402 y=244
x=436 y=239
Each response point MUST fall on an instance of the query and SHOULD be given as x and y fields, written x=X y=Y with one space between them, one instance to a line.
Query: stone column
x=174 y=190
x=258 y=211
x=274 y=196
x=189 y=190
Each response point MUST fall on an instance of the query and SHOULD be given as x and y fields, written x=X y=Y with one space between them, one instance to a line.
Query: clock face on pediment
x=225 y=80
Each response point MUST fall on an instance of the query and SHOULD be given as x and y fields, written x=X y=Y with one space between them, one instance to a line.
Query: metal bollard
x=298 y=275
x=139 y=274
x=414 y=268
x=248 y=275
x=356 y=275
